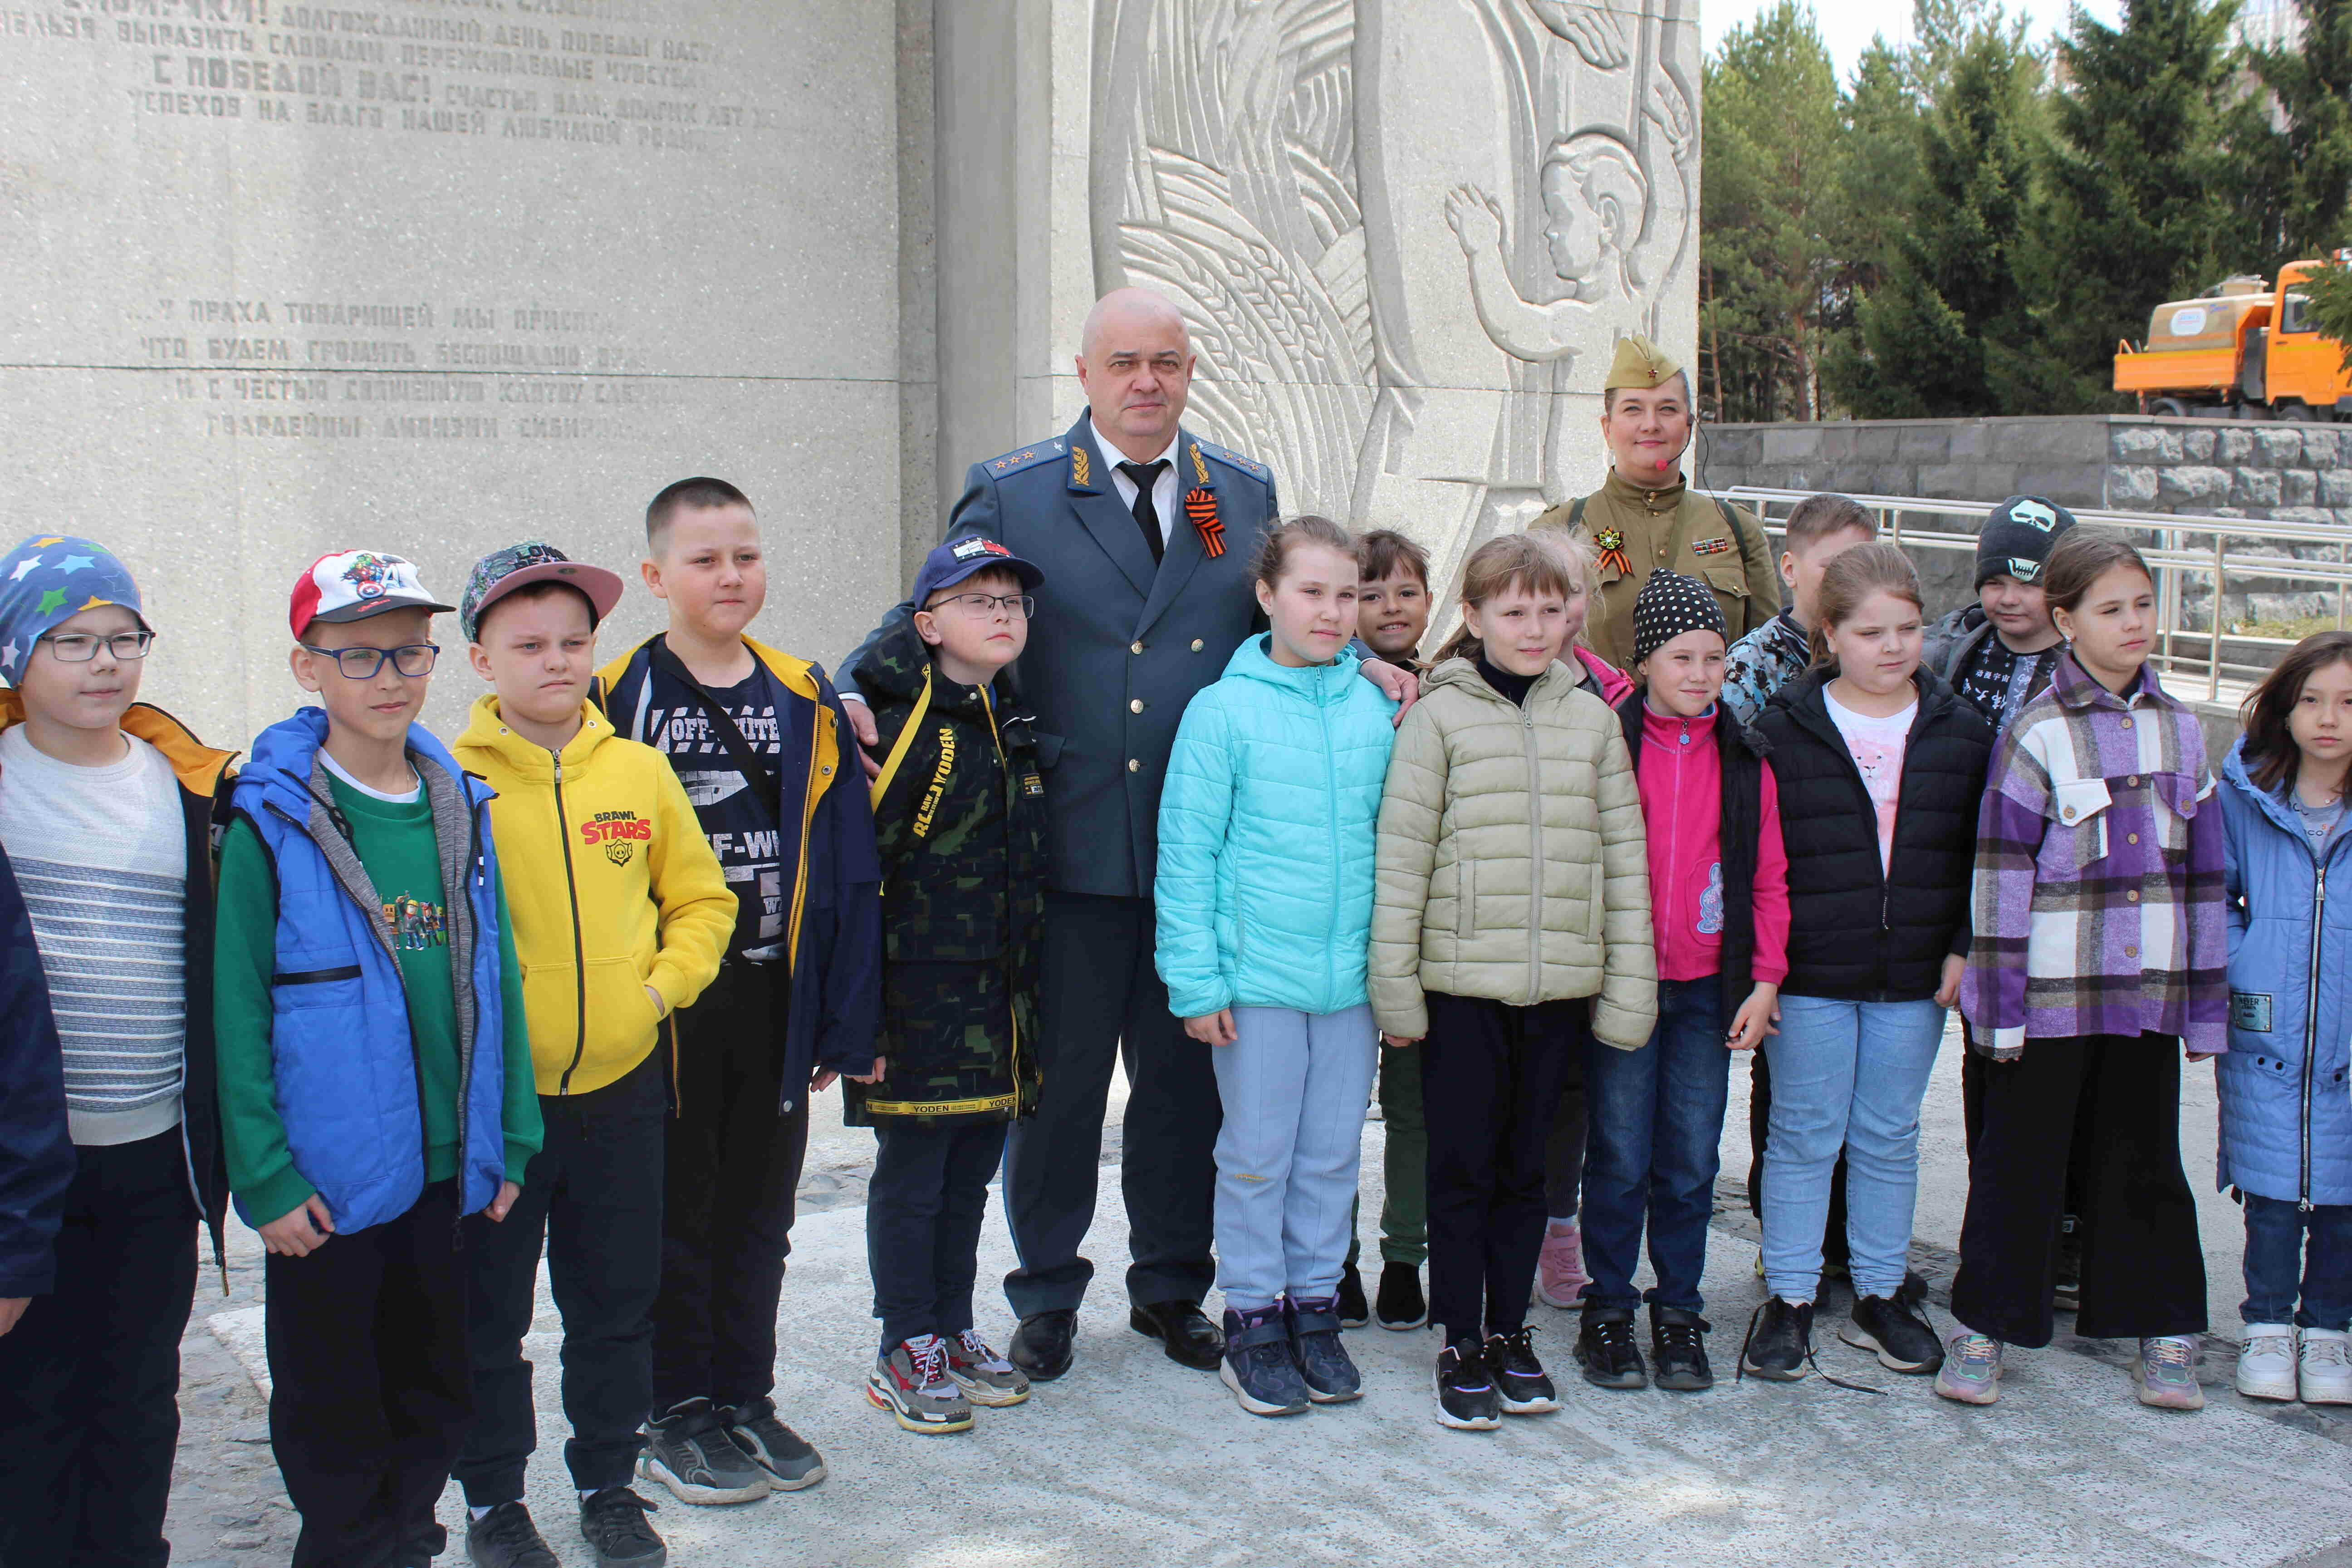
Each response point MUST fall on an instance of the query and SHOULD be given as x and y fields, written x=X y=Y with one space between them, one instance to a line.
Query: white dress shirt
x=1163 y=488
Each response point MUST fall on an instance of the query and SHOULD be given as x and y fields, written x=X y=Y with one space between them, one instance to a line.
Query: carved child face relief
x=1574 y=232
x=1135 y=362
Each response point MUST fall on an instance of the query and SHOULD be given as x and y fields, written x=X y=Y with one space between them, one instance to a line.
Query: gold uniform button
x=1134 y=766
x=1197 y=645
x=1135 y=705
x=1135 y=648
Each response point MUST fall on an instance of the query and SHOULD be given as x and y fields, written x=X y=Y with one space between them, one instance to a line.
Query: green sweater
x=402 y=854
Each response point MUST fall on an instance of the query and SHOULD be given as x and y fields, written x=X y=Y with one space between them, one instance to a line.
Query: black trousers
x=728 y=1200
x=593 y=1197
x=90 y=1378
x=1972 y=1088
x=2143 y=1264
x=1103 y=1003
x=923 y=1209
x=1490 y=1083
x=1759 y=1121
x=370 y=1392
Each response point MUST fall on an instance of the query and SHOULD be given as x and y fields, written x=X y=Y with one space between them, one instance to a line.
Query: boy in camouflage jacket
x=959 y=817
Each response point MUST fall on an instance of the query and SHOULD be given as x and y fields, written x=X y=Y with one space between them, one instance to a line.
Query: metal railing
x=2180 y=550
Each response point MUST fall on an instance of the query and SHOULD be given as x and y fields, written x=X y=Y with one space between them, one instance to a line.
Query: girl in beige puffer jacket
x=1511 y=924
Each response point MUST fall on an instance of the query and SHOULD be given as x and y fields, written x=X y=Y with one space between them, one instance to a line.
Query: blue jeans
x=1657 y=1128
x=1294 y=1086
x=1848 y=1074
x=2276 y=1256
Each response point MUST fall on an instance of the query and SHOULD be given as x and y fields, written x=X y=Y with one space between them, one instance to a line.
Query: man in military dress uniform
x=1145 y=534
x=1643 y=518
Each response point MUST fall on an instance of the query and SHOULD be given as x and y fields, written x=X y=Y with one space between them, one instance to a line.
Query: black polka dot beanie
x=1668 y=605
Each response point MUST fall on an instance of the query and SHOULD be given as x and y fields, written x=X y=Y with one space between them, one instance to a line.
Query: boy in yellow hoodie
x=620 y=913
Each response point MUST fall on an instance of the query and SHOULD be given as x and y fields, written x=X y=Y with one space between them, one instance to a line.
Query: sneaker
x=2166 y=1373
x=1467 y=1397
x=1560 y=1278
x=985 y=1377
x=1354 y=1311
x=689 y=1452
x=1323 y=1364
x=1257 y=1363
x=791 y=1463
x=1779 y=1347
x=2067 y=1282
x=1605 y=1349
x=1971 y=1369
x=1520 y=1381
x=2267 y=1366
x=506 y=1538
x=1401 y=1305
x=912 y=1383
x=1678 y=1344
x=1895 y=1329
x=614 y=1523
x=2323 y=1369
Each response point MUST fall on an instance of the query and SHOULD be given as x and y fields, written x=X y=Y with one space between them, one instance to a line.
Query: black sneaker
x=1780 y=1345
x=689 y=1451
x=1467 y=1397
x=1258 y=1364
x=1605 y=1349
x=1401 y=1305
x=614 y=1523
x=1519 y=1378
x=1678 y=1344
x=791 y=1462
x=506 y=1538
x=1898 y=1333
x=1354 y=1312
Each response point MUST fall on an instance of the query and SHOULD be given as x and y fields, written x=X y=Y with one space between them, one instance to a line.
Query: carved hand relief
x=1406 y=234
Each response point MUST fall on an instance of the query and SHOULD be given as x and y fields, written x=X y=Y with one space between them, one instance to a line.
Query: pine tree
x=1771 y=184
x=1948 y=331
x=2138 y=207
x=2300 y=161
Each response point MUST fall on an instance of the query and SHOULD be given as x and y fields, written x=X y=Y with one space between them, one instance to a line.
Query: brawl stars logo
x=620 y=832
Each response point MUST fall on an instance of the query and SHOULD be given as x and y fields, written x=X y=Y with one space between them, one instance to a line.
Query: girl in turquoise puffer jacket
x=1264 y=903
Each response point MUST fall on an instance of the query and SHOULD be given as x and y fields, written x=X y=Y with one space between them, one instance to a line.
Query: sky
x=1847 y=25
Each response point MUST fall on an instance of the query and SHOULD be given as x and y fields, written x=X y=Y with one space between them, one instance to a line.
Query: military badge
x=1079 y=469
x=1709 y=546
x=1610 y=542
x=1200 y=506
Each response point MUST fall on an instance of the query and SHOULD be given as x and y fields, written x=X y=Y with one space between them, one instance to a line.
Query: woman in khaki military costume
x=1644 y=519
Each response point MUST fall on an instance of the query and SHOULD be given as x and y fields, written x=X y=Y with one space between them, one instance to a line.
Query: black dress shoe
x=1191 y=1340
x=1041 y=1344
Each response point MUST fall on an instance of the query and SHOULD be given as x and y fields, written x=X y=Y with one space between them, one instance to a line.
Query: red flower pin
x=1200 y=506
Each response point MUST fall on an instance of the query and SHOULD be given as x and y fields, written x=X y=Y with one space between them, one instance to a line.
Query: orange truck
x=2244 y=351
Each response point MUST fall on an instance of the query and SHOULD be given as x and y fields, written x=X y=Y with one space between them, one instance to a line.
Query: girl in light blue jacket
x=1264 y=900
x=2286 y=1115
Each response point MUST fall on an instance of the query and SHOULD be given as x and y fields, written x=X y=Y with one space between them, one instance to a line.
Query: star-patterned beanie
x=1668 y=605
x=48 y=580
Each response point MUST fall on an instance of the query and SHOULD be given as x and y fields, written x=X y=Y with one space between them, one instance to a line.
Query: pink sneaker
x=1560 y=1278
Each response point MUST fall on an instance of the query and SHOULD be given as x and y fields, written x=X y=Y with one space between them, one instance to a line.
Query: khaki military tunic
x=1676 y=529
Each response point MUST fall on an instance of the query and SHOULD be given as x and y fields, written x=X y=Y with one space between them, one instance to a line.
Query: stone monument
x=437 y=275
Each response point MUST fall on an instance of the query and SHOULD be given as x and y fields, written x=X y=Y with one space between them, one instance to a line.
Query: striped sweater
x=2097 y=897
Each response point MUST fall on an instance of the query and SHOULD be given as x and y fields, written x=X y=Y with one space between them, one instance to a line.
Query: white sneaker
x=2266 y=1366
x=2324 y=1371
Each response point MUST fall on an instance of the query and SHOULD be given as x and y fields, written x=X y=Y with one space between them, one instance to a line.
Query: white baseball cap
x=353 y=585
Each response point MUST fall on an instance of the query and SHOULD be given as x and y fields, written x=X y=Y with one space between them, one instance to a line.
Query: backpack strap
x=1731 y=521
x=899 y=748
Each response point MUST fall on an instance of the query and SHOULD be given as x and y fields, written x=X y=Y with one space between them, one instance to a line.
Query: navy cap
x=959 y=558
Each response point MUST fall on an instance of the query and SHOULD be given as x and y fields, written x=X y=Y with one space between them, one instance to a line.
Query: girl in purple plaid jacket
x=2099 y=951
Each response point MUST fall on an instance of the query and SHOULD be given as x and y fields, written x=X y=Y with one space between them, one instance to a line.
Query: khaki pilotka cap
x=1639 y=364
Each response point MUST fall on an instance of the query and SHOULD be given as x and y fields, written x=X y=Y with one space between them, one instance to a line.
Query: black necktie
x=1144 y=476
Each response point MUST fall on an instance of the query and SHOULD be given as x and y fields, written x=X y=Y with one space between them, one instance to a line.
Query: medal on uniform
x=1200 y=506
x=1610 y=543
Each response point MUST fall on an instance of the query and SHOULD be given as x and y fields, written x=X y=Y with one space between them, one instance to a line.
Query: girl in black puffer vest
x=1881 y=768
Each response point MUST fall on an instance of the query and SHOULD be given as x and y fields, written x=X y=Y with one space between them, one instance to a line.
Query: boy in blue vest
x=375 y=1078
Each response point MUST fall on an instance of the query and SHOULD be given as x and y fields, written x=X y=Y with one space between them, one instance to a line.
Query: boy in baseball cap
x=375 y=1073
x=960 y=817
x=2001 y=651
x=620 y=913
